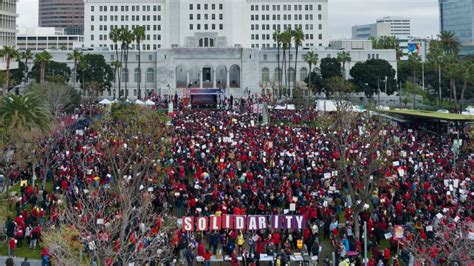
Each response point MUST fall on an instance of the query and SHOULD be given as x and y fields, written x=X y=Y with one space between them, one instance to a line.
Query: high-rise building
x=458 y=16
x=7 y=22
x=374 y=30
x=67 y=14
x=399 y=27
x=206 y=23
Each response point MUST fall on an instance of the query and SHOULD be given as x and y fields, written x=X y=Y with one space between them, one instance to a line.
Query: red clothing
x=201 y=250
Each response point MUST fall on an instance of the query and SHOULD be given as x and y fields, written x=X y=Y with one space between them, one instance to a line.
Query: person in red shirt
x=207 y=258
x=11 y=247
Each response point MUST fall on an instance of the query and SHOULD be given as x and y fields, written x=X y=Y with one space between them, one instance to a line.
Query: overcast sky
x=342 y=14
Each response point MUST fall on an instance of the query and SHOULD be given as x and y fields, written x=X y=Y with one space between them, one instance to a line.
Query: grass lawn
x=24 y=251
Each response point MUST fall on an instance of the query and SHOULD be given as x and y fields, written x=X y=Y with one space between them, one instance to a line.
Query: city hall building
x=213 y=45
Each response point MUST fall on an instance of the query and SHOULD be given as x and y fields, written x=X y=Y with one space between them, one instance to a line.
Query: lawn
x=24 y=251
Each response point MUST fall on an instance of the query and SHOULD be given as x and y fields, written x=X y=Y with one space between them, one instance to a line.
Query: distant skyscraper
x=458 y=16
x=67 y=14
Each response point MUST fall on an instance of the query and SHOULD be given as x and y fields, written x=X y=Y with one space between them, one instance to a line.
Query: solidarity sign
x=243 y=222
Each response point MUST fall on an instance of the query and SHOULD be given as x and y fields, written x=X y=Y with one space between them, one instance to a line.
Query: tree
x=414 y=61
x=9 y=53
x=139 y=33
x=127 y=38
x=83 y=68
x=369 y=76
x=24 y=112
x=453 y=72
x=59 y=98
x=277 y=40
x=114 y=35
x=97 y=70
x=118 y=223
x=42 y=59
x=53 y=72
x=117 y=66
x=317 y=83
x=467 y=76
x=344 y=57
x=387 y=42
x=22 y=117
x=330 y=67
x=449 y=42
x=339 y=86
x=450 y=243
x=76 y=57
x=64 y=245
x=298 y=38
x=360 y=171
x=436 y=56
x=285 y=38
x=311 y=59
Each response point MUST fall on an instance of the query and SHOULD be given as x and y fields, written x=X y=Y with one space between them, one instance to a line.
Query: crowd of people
x=224 y=162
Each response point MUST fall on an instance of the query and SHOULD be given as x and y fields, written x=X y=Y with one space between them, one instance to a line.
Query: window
x=303 y=73
x=277 y=75
x=190 y=6
x=265 y=57
x=136 y=75
x=221 y=6
x=265 y=75
x=92 y=8
x=191 y=26
x=150 y=75
x=124 y=75
x=291 y=75
x=319 y=7
x=150 y=57
x=221 y=26
x=190 y=16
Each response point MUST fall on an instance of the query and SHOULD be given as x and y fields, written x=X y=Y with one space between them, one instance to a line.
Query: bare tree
x=361 y=141
x=450 y=243
x=117 y=222
x=58 y=97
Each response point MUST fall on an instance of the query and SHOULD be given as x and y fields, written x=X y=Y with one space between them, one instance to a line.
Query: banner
x=243 y=222
x=398 y=232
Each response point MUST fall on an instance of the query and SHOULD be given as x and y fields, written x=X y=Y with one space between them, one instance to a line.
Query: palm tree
x=467 y=75
x=298 y=38
x=277 y=39
x=449 y=42
x=344 y=57
x=117 y=66
x=436 y=56
x=312 y=59
x=127 y=37
x=9 y=53
x=114 y=35
x=139 y=33
x=453 y=71
x=285 y=38
x=42 y=59
x=26 y=55
x=83 y=66
x=76 y=57
x=24 y=112
x=414 y=60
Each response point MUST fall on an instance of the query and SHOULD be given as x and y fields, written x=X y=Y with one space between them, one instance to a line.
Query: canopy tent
x=139 y=102
x=421 y=114
x=325 y=105
x=149 y=102
x=285 y=107
x=105 y=102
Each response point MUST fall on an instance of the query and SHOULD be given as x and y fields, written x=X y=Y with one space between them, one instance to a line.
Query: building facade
x=39 y=39
x=374 y=30
x=67 y=14
x=399 y=26
x=237 y=70
x=458 y=16
x=205 y=23
x=7 y=22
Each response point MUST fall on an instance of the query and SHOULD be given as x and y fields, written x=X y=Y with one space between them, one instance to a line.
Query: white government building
x=213 y=44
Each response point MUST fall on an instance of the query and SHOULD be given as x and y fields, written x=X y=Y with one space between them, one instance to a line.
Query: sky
x=343 y=14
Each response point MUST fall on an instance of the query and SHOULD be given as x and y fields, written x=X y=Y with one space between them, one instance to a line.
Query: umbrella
x=205 y=175
x=105 y=102
x=149 y=102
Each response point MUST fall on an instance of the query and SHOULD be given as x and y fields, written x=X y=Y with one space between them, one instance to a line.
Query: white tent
x=149 y=102
x=105 y=102
x=139 y=102
x=285 y=107
x=325 y=106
